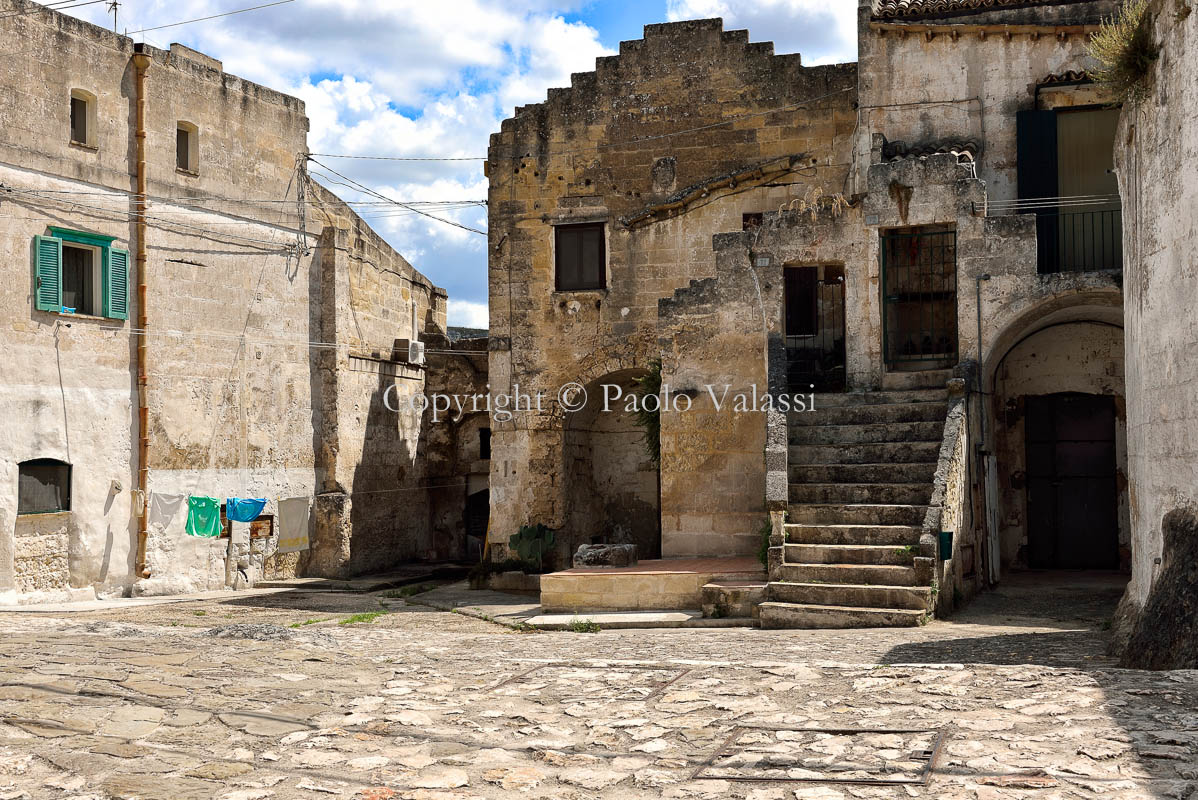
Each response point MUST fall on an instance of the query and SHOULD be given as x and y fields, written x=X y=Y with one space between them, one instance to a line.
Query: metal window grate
x=919 y=292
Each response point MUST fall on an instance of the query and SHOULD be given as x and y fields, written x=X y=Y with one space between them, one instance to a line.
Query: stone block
x=605 y=555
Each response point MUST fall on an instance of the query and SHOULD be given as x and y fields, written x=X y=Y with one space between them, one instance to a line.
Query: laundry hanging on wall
x=203 y=517
x=164 y=513
x=293 y=524
x=238 y=509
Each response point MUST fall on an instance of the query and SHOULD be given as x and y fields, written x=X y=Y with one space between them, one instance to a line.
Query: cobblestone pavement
x=240 y=699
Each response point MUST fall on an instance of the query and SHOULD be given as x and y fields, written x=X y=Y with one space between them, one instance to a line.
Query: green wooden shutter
x=47 y=289
x=116 y=284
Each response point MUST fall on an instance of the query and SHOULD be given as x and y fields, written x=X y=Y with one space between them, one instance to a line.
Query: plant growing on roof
x=1125 y=51
x=532 y=542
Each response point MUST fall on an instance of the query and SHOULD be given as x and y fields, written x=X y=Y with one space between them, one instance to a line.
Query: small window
x=484 y=443
x=580 y=257
x=43 y=486
x=83 y=118
x=187 y=150
x=751 y=222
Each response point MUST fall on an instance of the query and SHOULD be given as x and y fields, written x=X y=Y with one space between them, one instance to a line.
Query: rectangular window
x=484 y=443
x=79 y=279
x=580 y=257
x=79 y=120
x=80 y=273
x=181 y=149
x=43 y=486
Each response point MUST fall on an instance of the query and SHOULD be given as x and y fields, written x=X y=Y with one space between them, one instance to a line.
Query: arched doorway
x=612 y=485
x=1058 y=436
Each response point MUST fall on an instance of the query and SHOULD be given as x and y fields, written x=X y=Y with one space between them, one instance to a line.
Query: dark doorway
x=1072 y=517
x=919 y=299
x=815 y=356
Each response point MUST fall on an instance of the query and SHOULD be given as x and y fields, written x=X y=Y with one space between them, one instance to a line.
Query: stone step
x=850 y=595
x=875 y=493
x=731 y=599
x=866 y=434
x=874 y=453
x=866 y=554
x=934 y=411
x=855 y=514
x=922 y=379
x=863 y=473
x=852 y=574
x=878 y=398
x=796 y=615
x=859 y=535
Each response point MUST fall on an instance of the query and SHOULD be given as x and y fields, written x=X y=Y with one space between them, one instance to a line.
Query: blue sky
x=414 y=78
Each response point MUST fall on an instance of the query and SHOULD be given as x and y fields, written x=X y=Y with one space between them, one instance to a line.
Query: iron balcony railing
x=1073 y=234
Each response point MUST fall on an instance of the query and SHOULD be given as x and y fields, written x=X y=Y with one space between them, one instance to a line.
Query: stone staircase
x=861 y=470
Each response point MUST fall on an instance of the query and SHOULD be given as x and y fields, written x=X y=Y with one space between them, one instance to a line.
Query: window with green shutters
x=92 y=277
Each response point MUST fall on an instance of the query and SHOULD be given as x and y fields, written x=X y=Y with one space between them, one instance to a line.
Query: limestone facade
x=271 y=319
x=923 y=137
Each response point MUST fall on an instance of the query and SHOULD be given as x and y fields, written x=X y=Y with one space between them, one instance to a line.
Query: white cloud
x=467 y=314
x=824 y=31
x=400 y=78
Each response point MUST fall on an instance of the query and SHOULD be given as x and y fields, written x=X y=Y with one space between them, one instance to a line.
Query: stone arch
x=1059 y=364
x=611 y=483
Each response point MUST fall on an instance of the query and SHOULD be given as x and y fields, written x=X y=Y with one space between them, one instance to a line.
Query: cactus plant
x=532 y=542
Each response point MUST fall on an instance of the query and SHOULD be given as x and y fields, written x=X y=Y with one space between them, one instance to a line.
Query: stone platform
x=662 y=584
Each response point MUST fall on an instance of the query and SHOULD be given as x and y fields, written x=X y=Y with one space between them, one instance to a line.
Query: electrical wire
x=372 y=192
x=51 y=7
x=213 y=16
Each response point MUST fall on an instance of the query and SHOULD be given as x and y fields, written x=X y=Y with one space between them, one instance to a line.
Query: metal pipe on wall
x=141 y=63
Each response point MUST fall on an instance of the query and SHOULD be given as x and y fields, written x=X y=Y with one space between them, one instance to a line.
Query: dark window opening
x=581 y=261
x=78 y=120
x=43 y=486
x=484 y=443
x=182 y=149
x=814 y=309
x=919 y=298
x=78 y=279
x=750 y=222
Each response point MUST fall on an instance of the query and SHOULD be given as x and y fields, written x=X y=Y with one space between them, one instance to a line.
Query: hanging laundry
x=293 y=524
x=203 y=517
x=239 y=509
x=164 y=510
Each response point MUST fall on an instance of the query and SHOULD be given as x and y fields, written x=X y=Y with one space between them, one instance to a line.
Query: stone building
x=929 y=241
x=1156 y=140
x=235 y=339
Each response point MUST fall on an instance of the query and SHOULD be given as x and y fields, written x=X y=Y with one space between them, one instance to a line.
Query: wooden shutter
x=116 y=284
x=1036 y=151
x=47 y=290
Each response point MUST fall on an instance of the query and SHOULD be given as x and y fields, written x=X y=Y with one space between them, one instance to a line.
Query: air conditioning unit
x=409 y=351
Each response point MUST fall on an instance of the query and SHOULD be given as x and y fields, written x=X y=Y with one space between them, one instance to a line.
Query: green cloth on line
x=203 y=517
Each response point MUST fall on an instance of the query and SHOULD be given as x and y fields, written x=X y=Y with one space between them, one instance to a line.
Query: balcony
x=1073 y=234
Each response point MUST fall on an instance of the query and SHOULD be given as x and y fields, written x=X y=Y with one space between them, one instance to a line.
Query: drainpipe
x=141 y=62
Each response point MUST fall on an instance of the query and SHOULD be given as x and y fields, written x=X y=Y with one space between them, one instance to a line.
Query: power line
x=51 y=7
x=380 y=196
x=213 y=16
x=401 y=158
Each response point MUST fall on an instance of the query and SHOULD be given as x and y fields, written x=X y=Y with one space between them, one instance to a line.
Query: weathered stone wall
x=258 y=332
x=640 y=144
x=928 y=84
x=1155 y=146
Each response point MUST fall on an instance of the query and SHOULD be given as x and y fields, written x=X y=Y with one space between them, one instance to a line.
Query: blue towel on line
x=238 y=509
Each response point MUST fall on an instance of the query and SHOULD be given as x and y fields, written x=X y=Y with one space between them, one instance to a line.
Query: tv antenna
x=112 y=6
